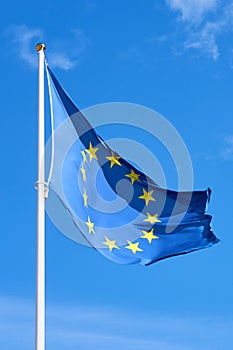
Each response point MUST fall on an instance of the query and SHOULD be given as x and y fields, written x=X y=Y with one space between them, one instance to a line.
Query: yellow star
x=85 y=196
x=149 y=235
x=114 y=160
x=133 y=176
x=152 y=218
x=92 y=151
x=133 y=247
x=90 y=225
x=84 y=156
x=83 y=171
x=110 y=244
x=147 y=196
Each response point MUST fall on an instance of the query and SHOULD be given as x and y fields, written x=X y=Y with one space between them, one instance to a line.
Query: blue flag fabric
x=119 y=211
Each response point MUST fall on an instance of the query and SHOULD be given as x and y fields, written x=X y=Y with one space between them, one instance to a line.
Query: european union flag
x=119 y=211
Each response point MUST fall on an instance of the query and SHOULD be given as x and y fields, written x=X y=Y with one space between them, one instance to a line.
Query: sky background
x=175 y=57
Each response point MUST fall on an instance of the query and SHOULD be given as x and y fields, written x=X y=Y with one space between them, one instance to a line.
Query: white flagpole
x=40 y=258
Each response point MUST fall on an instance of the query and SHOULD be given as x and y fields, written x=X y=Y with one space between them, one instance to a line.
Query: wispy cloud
x=62 y=60
x=228 y=148
x=202 y=22
x=22 y=39
x=67 y=53
x=101 y=328
x=63 y=54
x=131 y=53
x=204 y=40
x=192 y=10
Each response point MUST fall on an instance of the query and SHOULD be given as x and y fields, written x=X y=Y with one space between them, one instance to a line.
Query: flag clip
x=46 y=188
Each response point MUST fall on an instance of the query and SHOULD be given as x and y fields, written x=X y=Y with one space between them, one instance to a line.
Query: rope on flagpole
x=46 y=183
x=52 y=129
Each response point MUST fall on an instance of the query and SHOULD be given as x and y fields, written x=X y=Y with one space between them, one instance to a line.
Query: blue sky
x=175 y=57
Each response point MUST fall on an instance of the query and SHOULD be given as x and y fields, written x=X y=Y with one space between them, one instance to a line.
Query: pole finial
x=40 y=46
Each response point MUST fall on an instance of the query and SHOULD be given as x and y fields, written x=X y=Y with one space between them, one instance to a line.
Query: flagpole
x=40 y=249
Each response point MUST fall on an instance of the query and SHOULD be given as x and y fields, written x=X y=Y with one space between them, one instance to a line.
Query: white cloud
x=67 y=53
x=63 y=54
x=192 y=10
x=74 y=327
x=203 y=22
x=204 y=40
x=23 y=39
x=61 y=60
x=228 y=148
x=131 y=53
